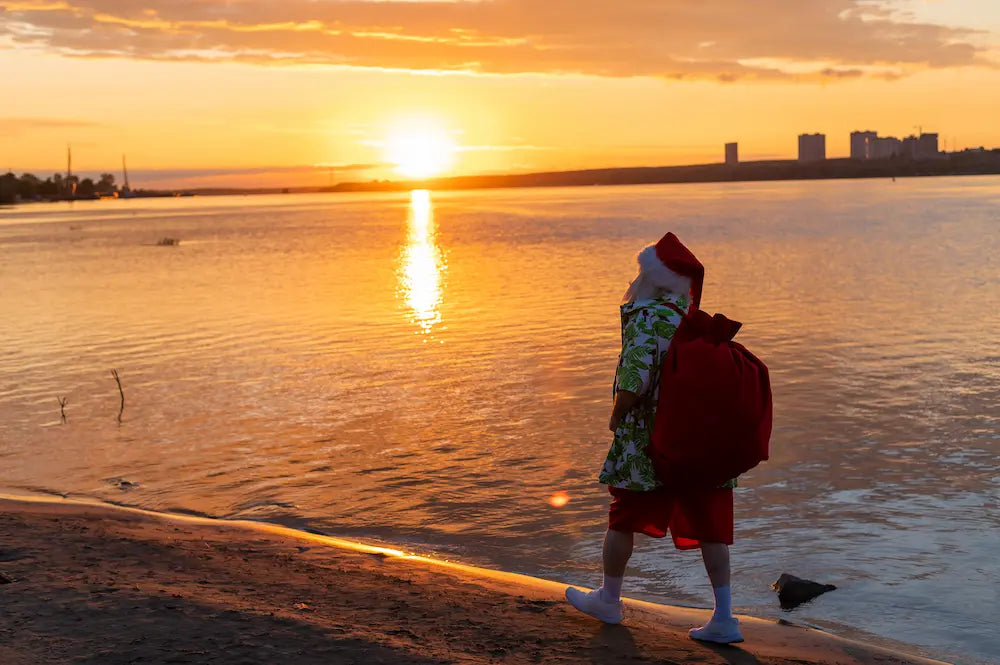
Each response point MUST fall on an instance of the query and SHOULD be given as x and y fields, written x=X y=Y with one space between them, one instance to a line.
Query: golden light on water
x=422 y=263
x=559 y=499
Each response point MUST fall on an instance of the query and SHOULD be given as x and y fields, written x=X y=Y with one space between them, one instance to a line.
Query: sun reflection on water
x=422 y=263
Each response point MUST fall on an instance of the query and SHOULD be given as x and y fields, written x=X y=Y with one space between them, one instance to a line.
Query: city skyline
x=222 y=94
x=925 y=145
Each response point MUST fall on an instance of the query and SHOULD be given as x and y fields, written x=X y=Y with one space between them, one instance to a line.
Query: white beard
x=654 y=278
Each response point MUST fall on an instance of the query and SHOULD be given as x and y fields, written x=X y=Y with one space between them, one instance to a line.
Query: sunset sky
x=261 y=92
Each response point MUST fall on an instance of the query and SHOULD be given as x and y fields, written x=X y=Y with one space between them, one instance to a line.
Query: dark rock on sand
x=122 y=484
x=793 y=591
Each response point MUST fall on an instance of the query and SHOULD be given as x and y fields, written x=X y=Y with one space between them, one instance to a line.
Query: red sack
x=713 y=417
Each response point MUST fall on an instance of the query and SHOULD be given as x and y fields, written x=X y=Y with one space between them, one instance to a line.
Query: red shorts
x=692 y=518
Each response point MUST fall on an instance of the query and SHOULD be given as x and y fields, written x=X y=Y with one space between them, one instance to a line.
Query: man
x=669 y=282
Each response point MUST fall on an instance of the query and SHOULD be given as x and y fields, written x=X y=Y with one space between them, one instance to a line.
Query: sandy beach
x=88 y=583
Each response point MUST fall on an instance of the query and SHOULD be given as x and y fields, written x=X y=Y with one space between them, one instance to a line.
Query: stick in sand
x=62 y=408
x=118 y=380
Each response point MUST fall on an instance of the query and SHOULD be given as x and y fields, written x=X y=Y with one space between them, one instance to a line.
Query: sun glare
x=559 y=499
x=420 y=150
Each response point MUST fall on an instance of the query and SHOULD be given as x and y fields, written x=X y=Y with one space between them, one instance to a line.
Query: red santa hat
x=671 y=265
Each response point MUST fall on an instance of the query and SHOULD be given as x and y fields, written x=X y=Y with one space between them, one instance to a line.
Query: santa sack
x=713 y=417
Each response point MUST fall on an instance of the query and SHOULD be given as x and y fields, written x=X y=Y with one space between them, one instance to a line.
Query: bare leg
x=618 y=550
x=605 y=603
x=716 y=558
x=723 y=628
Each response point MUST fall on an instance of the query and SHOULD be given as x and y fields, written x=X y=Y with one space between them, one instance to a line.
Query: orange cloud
x=18 y=126
x=725 y=40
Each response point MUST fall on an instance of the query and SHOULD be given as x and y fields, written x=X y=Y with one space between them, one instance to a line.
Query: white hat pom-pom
x=659 y=274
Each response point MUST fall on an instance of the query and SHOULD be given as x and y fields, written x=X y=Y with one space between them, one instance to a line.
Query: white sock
x=611 y=590
x=723 y=602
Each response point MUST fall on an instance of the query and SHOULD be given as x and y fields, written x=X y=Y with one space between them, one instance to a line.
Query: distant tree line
x=30 y=187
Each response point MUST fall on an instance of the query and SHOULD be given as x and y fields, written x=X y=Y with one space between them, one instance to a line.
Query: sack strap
x=676 y=309
x=715 y=329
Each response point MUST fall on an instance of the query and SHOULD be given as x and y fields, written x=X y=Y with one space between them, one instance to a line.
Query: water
x=430 y=369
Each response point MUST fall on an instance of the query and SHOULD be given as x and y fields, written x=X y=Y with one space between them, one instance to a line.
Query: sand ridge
x=100 y=584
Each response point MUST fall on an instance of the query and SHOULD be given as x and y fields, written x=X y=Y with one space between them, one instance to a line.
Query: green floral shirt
x=647 y=328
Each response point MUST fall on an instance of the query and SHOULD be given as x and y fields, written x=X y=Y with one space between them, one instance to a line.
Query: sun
x=420 y=150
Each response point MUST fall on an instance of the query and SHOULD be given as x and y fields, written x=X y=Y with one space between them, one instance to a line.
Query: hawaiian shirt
x=647 y=328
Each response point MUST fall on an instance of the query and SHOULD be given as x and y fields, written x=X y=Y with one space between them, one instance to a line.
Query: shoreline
x=956 y=165
x=94 y=582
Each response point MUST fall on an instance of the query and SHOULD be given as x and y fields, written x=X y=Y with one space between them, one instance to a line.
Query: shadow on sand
x=617 y=644
x=90 y=628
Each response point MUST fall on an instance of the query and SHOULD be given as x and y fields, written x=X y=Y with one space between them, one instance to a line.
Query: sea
x=433 y=370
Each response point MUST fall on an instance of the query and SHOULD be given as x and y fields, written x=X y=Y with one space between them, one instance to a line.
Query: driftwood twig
x=62 y=408
x=118 y=380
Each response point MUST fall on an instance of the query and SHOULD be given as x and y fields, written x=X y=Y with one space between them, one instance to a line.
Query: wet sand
x=98 y=584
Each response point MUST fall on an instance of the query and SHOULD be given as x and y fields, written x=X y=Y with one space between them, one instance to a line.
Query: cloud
x=724 y=40
x=508 y=147
x=18 y=126
x=263 y=176
x=255 y=170
x=505 y=147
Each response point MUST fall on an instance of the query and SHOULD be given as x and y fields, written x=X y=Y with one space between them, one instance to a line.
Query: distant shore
x=92 y=583
x=952 y=164
x=969 y=163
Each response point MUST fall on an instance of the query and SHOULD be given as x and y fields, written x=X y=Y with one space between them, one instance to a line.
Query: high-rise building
x=869 y=145
x=732 y=154
x=927 y=147
x=886 y=147
x=862 y=144
x=812 y=147
x=910 y=145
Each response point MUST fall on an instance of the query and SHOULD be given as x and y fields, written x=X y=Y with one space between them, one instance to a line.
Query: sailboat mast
x=70 y=185
x=125 y=173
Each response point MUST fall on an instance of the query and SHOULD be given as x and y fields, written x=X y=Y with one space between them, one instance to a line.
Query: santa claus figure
x=669 y=283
